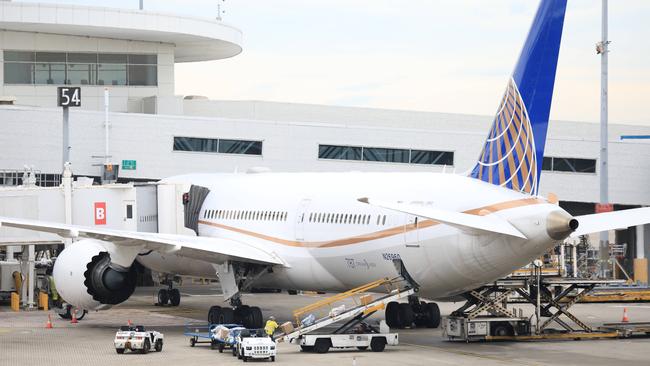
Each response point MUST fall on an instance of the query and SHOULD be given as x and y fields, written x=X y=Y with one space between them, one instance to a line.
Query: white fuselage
x=330 y=241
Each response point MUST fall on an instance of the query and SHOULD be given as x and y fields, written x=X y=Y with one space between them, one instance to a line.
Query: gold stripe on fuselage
x=481 y=211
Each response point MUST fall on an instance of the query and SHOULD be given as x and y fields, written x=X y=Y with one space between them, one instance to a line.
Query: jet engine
x=86 y=278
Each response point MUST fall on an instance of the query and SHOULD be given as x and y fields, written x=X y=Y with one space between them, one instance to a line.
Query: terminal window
x=407 y=156
x=224 y=146
x=58 y=68
x=573 y=165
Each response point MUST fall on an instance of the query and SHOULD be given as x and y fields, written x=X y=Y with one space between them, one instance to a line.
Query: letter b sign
x=100 y=213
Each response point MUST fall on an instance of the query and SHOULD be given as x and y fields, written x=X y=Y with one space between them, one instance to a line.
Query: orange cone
x=625 y=318
x=48 y=325
x=74 y=317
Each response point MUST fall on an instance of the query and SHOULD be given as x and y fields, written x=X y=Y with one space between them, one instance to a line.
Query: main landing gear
x=420 y=313
x=169 y=295
x=237 y=313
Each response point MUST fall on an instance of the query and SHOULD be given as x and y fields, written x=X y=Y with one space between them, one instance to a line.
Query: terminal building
x=155 y=133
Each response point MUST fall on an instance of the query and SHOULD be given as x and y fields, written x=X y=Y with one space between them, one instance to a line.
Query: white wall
x=32 y=136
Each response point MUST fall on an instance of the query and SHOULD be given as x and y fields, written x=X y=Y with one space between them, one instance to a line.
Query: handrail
x=342 y=296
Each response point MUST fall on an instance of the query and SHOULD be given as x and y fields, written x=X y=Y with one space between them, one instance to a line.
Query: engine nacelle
x=85 y=278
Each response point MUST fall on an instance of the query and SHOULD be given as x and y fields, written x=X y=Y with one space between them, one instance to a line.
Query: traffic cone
x=49 y=325
x=625 y=318
x=74 y=317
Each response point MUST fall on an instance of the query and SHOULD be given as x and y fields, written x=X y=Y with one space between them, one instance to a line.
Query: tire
x=292 y=292
x=175 y=297
x=146 y=347
x=213 y=314
x=256 y=317
x=392 y=314
x=119 y=350
x=163 y=297
x=272 y=358
x=234 y=351
x=213 y=344
x=322 y=345
x=227 y=316
x=67 y=315
x=243 y=316
x=406 y=315
x=245 y=358
x=502 y=330
x=83 y=313
x=432 y=315
x=362 y=348
x=221 y=346
x=377 y=344
x=307 y=348
x=159 y=345
x=192 y=342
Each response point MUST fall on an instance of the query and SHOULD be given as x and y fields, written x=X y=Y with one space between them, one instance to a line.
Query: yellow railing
x=389 y=283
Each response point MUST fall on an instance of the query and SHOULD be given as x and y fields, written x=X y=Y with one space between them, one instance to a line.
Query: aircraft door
x=411 y=231
x=128 y=207
x=301 y=215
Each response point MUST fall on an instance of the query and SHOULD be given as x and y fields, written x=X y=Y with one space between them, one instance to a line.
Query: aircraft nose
x=559 y=225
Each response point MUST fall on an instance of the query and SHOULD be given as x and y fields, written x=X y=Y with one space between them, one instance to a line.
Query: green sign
x=128 y=164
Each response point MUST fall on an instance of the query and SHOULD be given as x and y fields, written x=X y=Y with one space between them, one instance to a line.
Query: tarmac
x=25 y=341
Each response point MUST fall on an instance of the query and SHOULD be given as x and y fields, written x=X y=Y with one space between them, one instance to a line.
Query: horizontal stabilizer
x=612 y=220
x=459 y=220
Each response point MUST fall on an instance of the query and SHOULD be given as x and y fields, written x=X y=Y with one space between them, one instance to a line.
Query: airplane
x=335 y=231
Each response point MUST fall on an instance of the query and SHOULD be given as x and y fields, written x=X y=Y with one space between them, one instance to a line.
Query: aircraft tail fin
x=514 y=150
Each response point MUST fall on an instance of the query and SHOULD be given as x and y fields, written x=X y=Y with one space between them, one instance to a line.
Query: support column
x=640 y=261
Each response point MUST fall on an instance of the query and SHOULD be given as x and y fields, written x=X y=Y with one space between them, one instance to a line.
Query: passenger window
x=384 y=220
x=378 y=219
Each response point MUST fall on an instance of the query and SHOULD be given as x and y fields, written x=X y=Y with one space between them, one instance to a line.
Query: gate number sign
x=68 y=96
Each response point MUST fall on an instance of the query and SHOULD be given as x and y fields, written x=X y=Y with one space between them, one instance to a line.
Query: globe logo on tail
x=508 y=158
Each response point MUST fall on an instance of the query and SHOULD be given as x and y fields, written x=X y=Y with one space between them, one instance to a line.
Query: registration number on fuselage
x=390 y=256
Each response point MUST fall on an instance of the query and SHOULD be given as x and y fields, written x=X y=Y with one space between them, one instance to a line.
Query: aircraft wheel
x=256 y=317
x=227 y=316
x=163 y=296
x=214 y=314
x=174 y=297
x=392 y=314
x=432 y=315
x=406 y=315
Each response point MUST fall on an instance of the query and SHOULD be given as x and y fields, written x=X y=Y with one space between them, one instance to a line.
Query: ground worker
x=52 y=293
x=271 y=326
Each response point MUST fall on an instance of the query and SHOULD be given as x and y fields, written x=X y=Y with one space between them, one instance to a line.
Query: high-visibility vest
x=270 y=327
x=53 y=293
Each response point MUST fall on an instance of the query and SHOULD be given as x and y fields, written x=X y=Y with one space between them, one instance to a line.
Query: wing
x=612 y=220
x=214 y=250
x=459 y=220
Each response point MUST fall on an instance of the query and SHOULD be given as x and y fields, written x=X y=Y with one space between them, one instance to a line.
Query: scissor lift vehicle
x=486 y=316
x=353 y=332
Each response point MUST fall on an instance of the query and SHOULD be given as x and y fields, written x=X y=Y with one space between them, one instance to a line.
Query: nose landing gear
x=169 y=295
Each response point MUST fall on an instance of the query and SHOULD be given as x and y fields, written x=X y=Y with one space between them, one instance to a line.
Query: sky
x=431 y=55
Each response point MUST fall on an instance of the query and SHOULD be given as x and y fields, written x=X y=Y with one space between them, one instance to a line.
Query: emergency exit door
x=301 y=214
x=411 y=231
